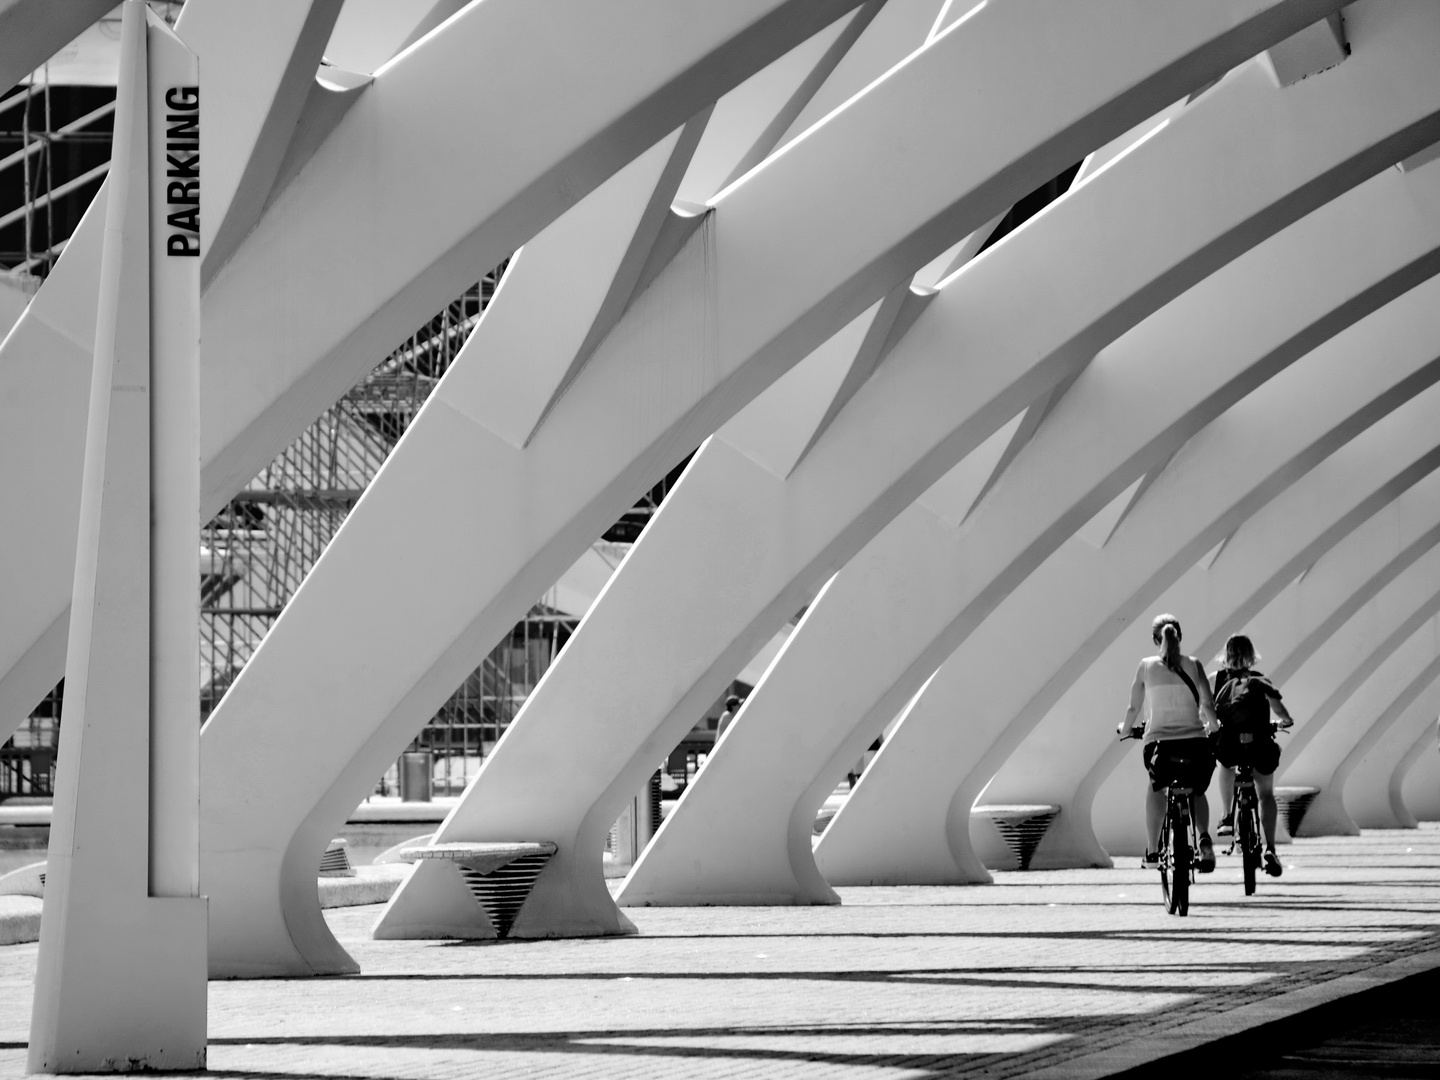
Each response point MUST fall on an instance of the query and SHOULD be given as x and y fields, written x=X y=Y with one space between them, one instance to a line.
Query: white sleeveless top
x=1171 y=711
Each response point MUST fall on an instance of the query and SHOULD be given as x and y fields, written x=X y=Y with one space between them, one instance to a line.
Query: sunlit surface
x=1077 y=970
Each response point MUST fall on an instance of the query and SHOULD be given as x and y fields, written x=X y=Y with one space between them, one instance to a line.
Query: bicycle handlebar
x=1138 y=733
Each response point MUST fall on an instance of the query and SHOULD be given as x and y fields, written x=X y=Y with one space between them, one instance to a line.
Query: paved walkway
x=1059 y=973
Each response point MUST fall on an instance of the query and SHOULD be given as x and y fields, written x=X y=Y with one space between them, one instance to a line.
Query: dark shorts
x=1262 y=753
x=1181 y=762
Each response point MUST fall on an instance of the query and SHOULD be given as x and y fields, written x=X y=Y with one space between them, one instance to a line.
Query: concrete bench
x=1292 y=802
x=499 y=875
x=1020 y=825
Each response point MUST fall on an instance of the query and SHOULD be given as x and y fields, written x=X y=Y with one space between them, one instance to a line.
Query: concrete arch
x=1334 y=684
x=1330 y=759
x=1373 y=793
x=303 y=306
x=1315 y=636
x=32 y=31
x=1419 y=775
x=783 y=278
x=572 y=899
x=817 y=720
x=1065 y=614
x=1378 y=557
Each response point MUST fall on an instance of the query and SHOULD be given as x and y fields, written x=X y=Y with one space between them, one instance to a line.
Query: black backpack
x=1243 y=702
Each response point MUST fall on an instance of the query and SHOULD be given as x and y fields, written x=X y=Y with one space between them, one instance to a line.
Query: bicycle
x=1245 y=813
x=1179 y=843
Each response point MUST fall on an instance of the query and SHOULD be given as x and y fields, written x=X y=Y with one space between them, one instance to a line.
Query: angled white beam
x=1059 y=761
x=250 y=95
x=1418 y=775
x=1084 y=595
x=262 y=69
x=1372 y=793
x=990 y=50
x=324 y=284
x=770 y=336
x=899 y=28
x=1331 y=757
x=32 y=31
x=1331 y=251
x=1324 y=633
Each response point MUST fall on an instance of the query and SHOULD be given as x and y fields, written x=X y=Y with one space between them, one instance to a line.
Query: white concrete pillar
x=303 y=308
x=1070 y=752
x=786 y=210
x=755 y=500
x=1420 y=778
x=1373 y=792
x=556 y=907
x=1338 y=749
x=32 y=31
x=1369 y=556
x=120 y=982
x=844 y=690
x=1318 y=639
x=1066 y=613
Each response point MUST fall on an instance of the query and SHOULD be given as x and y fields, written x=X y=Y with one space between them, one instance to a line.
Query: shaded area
x=1387 y=1031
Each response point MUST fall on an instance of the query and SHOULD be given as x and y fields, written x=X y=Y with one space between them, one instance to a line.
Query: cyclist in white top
x=1178 y=717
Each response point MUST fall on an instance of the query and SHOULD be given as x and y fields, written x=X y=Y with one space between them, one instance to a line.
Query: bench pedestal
x=1020 y=826
x=498 y=875
x=1292 y=802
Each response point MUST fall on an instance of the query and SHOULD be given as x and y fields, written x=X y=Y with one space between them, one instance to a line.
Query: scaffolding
x=255 y=553
x=54 y=154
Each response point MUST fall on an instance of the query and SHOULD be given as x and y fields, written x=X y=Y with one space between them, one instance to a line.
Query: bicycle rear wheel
x=1249 y=847
x=1175 y=878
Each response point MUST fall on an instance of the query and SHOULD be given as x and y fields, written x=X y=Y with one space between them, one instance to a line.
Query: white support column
x=841 y=699
x=1332 y=756
x=1065 y=613
x=1320 y=639
x=792 y=264
x=345 y=259
x=1066 y=758
x=1340 y=686
x=840 y=514
x=1372 y=792
x=120 y=983
x=32 y=31
x=1419 y=776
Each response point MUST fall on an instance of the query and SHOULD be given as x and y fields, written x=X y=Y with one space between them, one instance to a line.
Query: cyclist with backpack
x=1244 y=700
x=1178 y=716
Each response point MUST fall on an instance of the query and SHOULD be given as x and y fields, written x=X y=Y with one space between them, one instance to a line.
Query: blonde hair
x=1239 y=652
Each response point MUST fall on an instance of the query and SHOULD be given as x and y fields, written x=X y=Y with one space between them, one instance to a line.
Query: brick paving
x=1054 y=973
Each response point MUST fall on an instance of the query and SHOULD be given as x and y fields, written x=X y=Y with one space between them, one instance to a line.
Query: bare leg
x=1227 y=790
x=1265 y=787
x=1200 y=810
x=1154 y=817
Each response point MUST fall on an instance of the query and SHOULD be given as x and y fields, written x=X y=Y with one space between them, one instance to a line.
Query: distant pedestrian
x=732 y=706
